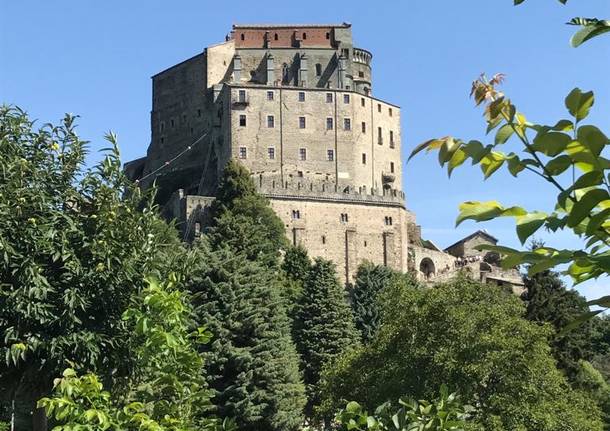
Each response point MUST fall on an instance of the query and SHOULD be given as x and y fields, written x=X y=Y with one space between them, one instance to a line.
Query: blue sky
x=95 y=59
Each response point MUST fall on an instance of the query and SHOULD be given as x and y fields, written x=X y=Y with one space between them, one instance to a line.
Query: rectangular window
x=302 y=154
x=242 y=120
x=162 y=125
x=270 y=121
x=329 y=124
x=347 y=124
x=363 y=127
x=243 y=153
x=199 y=112
x=364 y=158
x=362 y=102
x=330 y=155
x=296 y=214
x=172 y=122
x=270 y=95
x=301 y=96
x=242 y=96
x=344 y=218
x=379 y=107
x=391 y=139
x=379 y=136
x=390 y=111
x=346 y=98
x=391 y=167
x=271 y=152
x=301 y=122
x=329 y=97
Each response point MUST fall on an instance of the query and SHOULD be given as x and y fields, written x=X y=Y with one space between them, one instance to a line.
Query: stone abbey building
x=294 y=104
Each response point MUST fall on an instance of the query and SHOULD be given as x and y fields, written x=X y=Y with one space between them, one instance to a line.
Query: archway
x=426 y=267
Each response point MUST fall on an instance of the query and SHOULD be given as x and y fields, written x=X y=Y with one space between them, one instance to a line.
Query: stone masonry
x=293 y=103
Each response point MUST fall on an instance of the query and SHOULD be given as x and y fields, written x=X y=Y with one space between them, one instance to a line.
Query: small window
x=318 y=69
x=275 y=37
x=330 y=155
x=391 y=139
x=345 y=52
x=347 y=124
x=360 y=74
x=363 y=127
x=344 y=218
x=302 y=122
x=191 y=130
x=327 y=35
x=323 y=239
x=388 y=221
x=296 y=214
x=302 y=154
x=362 y=102
x=329 y=97
x=270 y=121
x=391 y=167
x=199 y=112
x=271 y=153
x=379 y=136
x=329 y=124
x=243 y=153
x=300 y=174
x=243 y=37
x=346 y=98
x=390 y=111
x=270 y=95
x=304 y=36
x=301 y=96
x=242 y=120
x=242 y=96
x=172 y=122
x=379 y=107
x=365 y=244
x=364 y=158
x=162 y=125
x=162 y=140
x=184 y=118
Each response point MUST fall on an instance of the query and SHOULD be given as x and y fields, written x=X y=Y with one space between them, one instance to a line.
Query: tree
x=74 y=249
x=243 y=219
x=296 y=263
x=323 y=327
x=473 y=338
x=251 y=364
x=166 y=390
x=370 y=280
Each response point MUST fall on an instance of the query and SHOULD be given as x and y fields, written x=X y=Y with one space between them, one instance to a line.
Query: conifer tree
x=324 y=326
x=370 y=280
x=296 y=263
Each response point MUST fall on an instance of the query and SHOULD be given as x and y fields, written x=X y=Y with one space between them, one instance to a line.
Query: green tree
x=74 y=248
x=324 y=327
x=370 y=280
x=472 y=337
x=165 y=391
x=243 y=220
x=251 y=364
x=296 y=263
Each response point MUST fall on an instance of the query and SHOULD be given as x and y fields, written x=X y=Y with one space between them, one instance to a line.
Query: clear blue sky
x=95 y=59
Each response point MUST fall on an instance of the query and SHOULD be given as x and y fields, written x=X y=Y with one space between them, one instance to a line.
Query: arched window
x=275 y=37
x=243 y=36
x=318 y=69
x=426 y=267
x=304 y=36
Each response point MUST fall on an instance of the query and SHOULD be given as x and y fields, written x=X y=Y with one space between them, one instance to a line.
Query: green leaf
x=591 y=28
x=483 y=211
x=559 y=164
x=563 y=126
x=582 y=208
x=551 y=143
x=515 y=165
x=579 y=103
x=504 y=133
x=491 y=163
x=428 y=145
x=592 y=138
x=528 y=224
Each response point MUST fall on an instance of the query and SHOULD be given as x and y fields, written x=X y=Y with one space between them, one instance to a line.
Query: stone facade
x=295 y=105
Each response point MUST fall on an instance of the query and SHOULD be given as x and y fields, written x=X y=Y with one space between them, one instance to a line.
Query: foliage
x=370 y=280
x=296 y=263
x=473 y=338
x=243 y=220
x=251 y=365
x=446 y=413
x=548 y=301
x=73 y=251
x=592 y=381
x=323 y=328
x=591 y=27
x=166 y=390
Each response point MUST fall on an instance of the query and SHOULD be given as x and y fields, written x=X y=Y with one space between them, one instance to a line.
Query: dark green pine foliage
x=251 y=364
x=549 y=301
x=370 y=280
x=324 y=326
x=296 y=263
x=243 y=220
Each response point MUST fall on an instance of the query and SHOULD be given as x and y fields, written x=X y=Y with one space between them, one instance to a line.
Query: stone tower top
x=287 y=36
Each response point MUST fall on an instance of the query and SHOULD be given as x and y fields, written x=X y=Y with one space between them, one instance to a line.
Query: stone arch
x=427 y=268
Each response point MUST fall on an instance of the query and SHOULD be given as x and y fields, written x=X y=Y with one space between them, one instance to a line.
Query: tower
x=294 y=104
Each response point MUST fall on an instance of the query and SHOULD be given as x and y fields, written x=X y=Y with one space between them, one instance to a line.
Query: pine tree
x=296 y=263
x=243 y=220
x=251 y=363
x=370 y=280
x=324 y=327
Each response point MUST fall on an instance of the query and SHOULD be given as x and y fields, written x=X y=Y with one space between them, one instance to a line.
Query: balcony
x=362 y=56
